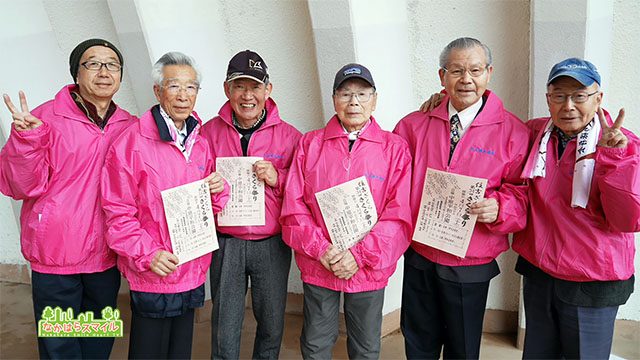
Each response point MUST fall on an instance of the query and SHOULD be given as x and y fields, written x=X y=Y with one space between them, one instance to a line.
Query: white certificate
x=246 y=203
x=190 y=220
x=348 y=211
x=444 y=221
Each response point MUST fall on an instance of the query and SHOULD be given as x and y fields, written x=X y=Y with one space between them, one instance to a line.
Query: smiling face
x=179 y=105
x=98 y=85
x=568 y=116
x=353 y=113
x=247 y=98
x=465 y=90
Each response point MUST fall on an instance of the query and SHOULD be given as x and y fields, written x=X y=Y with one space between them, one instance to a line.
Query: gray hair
x=464 y=43
x=173 y=58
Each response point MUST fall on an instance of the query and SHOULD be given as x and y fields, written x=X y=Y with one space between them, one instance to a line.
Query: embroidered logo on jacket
x=482 y=151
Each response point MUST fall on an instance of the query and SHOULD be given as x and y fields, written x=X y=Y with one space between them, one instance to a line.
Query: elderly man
x=470 y=133
x=576 y=253
x=52 y=161
x=163 y=150
x=249 y=124
x=352 y=145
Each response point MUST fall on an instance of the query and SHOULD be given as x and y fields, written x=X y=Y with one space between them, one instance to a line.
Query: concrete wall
x=283 y=32
x=623 y=92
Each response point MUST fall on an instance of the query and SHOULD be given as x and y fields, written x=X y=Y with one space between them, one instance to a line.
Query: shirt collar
x=467 y=115
x=353 y=135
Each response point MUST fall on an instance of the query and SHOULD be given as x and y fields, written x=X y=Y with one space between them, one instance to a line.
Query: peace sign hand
x=612 y=136
x=22 y=120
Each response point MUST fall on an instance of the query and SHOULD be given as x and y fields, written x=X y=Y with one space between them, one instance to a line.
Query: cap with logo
x=247 y=64
x=579 y=69
x=351 y=71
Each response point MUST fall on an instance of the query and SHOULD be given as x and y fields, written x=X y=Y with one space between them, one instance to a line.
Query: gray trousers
x=266 y=263
x=363 y=317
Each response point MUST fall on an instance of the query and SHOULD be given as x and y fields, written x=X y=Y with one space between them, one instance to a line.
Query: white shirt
x=466 y=116
x=182 y=134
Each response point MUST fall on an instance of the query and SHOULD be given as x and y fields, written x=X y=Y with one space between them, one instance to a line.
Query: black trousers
x=440 y=315
x=81 y=292
x=161 y=338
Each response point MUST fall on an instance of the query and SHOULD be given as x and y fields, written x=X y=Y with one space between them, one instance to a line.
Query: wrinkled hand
x=612 y=136
x=22 y=120
x=163 y=263
x=346 y=267
x=332 y=254
x=266 y=172
x=433 y=101
x=216 y=183
x=486 y=209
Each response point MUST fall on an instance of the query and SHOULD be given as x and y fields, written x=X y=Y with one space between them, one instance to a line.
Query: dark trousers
x=161 y=338
x=266 y=264
x=362 y=315
x=81 y=292
x=555 y=329
x=438 y=314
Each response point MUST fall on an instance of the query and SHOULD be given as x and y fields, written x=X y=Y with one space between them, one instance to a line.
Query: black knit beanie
x=76 y=54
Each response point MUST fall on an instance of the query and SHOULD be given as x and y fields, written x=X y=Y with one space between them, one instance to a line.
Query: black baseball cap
x=350 y=71
x=247 y=64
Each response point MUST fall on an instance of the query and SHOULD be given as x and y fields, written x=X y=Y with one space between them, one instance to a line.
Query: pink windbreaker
x=494 y=147
x=576 y=244
x=138 y=167
x=55 y=169
x=274 y=141
x=323 y=160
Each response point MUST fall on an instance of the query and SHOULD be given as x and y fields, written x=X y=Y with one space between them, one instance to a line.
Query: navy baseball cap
x=581 y=70
x=247 y=64
x=350 y=71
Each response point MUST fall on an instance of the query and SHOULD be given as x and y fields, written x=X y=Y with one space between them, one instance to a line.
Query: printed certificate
x=444 y=221
x=246 y=203
x=190 y=220
x=348 y=211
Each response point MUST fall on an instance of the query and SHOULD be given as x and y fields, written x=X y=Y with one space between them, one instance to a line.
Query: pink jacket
x=577 y=244
x=55 y=169
x=494 y=147
x=138 y=167
x=275 y=141
x=323 y=160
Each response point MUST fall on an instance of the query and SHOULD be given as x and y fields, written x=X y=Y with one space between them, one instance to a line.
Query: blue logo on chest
x=482 y=151
x=273 y=156
x=374 y=177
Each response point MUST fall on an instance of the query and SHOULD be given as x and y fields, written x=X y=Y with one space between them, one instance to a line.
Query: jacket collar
x=487 y=115
x=64 y=105
x=334 y=129
x=154 y=127
x=273 y=115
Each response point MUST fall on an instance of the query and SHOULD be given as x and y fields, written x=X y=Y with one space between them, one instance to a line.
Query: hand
x=22 y=120
x=216 y=182
x=612 y=137
x=266 y=172
x=331 y=256
x=486 y=209
x=346 y=267
x=163 y=263
x=433 y=101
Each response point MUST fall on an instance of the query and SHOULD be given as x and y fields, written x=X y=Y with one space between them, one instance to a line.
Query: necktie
x=455 y=133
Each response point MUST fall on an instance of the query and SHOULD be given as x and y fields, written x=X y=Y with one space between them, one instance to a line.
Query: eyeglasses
x=174 y=89
x=97 y=66
x=577 y=97
x=361 y=96
x=459 y=72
